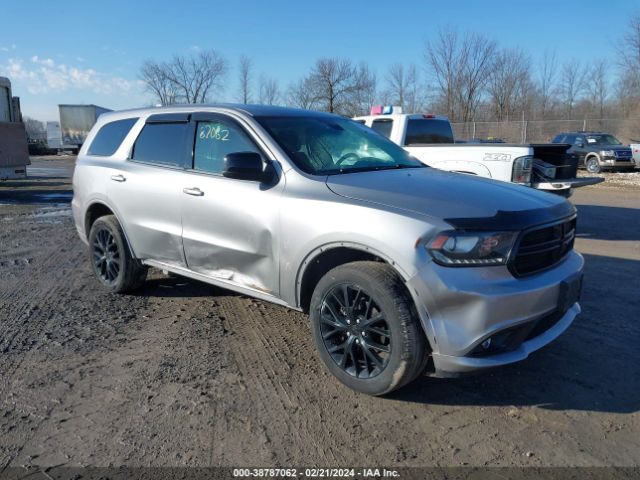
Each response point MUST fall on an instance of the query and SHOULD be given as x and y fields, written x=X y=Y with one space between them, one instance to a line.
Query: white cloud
x=4 y=48
x=45 y=76
x=47 y=62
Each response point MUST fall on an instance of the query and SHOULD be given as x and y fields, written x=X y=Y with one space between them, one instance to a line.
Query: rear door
x=146 y=189
x=230 y=226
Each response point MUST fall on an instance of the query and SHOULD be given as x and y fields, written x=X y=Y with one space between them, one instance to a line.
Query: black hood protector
x=515 y=220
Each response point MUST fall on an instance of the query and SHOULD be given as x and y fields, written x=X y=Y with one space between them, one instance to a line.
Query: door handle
x=196 y=192
x=118 y=178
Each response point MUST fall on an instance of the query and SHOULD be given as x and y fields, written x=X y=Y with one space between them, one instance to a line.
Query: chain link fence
x=543 y=131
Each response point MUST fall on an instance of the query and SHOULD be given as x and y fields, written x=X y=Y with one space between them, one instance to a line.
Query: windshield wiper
x=371 y=168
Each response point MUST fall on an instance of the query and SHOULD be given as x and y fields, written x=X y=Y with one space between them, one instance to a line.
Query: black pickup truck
x=597 y=151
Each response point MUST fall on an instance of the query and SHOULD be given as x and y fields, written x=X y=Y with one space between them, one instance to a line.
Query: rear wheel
x=111 y=259
x=593 y=165
x=366 y=329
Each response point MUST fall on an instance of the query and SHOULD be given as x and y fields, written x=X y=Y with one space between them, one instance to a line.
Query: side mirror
x=581 y=145
x=245 y=166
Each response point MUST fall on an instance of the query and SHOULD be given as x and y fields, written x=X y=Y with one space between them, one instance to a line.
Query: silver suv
x=402 y=268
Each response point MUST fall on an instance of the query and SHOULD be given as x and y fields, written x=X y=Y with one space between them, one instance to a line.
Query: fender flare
x=104 y=203
x=313 y=254
x=592 y=155
x=424 y=317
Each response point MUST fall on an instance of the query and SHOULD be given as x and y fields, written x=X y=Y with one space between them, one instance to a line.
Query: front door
x=230 y=226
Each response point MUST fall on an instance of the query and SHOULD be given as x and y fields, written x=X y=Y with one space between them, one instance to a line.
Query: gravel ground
x=185 y=374
x=617 y=180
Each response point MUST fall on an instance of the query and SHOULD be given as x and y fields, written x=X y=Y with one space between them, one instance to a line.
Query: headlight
x=466 y=249
x=521 y=172
x=607 y=153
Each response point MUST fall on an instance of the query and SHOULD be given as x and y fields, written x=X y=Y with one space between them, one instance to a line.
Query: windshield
x=603 y=140
x=333 y=145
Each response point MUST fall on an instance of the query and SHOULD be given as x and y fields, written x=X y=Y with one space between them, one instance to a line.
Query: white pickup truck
x=635 y=151
x=430 y=139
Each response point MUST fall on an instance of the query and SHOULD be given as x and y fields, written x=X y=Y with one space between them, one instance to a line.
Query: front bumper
x=450 y=366
x=614 y=163
x=462 y=307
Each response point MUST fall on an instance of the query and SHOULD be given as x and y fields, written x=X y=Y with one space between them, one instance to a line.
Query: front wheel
x=366 y=329
x=111 y=259
x=593 y=165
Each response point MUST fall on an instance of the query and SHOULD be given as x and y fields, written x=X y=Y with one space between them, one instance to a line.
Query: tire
x=593 y=165
x=376 y=298
x=111 y=259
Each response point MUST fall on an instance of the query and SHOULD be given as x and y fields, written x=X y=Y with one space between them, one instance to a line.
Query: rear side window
x=110 y=136
x=383 y=127
x=162 y=144
x=558 y=139
x=420 y=131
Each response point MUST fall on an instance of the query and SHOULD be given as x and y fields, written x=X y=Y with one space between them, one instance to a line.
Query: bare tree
x=184 y=79
x=245 y=74
x=443 y=56
x=269 y=90
x=402 y=87
x=338 y=86
x=35 y=129
x=629 y=48
x=628 y=87
x=598 y=86
x=547 y=82
x=366 y=92
x=571 y=84
x=301 y=95
x=154 y=76
x=461 y=67
x=508 y=82
x=478 y=55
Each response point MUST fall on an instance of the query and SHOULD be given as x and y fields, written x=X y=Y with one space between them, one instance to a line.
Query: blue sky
x=90 y=52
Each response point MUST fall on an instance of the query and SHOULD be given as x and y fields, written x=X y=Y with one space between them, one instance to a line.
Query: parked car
x=429 y=138
x=597 y=150
x=402 y=268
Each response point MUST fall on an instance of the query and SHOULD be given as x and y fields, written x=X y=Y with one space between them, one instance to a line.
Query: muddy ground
x=183 y=373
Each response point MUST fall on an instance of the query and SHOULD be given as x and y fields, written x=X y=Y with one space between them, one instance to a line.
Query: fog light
x=486 y=344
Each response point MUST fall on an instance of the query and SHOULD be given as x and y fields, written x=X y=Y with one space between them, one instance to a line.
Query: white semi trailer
x=75 y=123
x=14 y=153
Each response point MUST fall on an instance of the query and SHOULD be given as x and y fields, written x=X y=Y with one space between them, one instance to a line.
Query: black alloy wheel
x=106 y=256
x=355 y=331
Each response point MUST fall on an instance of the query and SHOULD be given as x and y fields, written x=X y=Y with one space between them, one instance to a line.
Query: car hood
x=613 y=147
x=464 y=201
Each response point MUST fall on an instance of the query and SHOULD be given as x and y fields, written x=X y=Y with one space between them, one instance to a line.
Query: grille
x=544 y=247
x=623 y=154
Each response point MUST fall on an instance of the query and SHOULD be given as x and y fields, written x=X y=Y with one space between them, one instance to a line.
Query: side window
x=383 y=127
x=110 y=136
x=578 y=140
x=214 y=140
x=162 y=144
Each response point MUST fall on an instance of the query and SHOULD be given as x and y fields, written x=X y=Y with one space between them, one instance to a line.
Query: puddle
x=35 y=196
